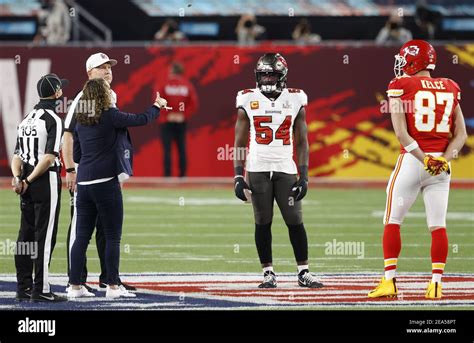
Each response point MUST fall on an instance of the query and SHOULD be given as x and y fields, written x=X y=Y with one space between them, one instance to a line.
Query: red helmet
x=414 y=56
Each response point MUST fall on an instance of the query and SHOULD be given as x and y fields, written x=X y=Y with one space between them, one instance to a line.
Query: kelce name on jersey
x=432 y=85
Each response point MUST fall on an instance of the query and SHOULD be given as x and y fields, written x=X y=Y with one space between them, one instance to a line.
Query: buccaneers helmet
x=414 y=56
x=270 y=73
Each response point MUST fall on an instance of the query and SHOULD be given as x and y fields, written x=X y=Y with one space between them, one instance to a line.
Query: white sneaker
x=79 y=293
x=118 y=292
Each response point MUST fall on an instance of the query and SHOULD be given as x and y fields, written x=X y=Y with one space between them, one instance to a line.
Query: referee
x=36 y=177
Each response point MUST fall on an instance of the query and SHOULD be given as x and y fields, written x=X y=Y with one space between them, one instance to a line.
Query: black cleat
x=126 y=286
x=47 y=297
x=23 y=295
x=89 y=288
x=86 y=286
x=269 y=280
x=306 y=279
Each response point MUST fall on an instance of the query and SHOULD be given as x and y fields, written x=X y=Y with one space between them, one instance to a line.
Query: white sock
x=268 y=269
x=302 y=267
x=390 y=274
x=436 y=277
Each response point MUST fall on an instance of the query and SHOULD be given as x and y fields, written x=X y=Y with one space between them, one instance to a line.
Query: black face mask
x=269 y=79
x=394 y=26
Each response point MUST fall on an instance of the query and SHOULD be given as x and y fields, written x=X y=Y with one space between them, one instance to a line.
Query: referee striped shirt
x=40 y=133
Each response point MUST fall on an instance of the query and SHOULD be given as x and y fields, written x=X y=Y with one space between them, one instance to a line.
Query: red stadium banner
x=349 y=136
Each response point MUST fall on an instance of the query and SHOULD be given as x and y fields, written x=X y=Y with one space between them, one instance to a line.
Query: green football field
x=199 y=230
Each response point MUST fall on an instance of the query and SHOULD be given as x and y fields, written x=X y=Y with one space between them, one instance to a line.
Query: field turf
x=209 y=230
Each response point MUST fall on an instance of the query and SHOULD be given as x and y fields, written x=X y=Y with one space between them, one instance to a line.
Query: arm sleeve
x=239 y=100
x=76 y=153
x=304 y=98
x=123 y=119
x=54 y=128
x=457 y=90
x=17 y=146
x=70 y=121
x=395 y=88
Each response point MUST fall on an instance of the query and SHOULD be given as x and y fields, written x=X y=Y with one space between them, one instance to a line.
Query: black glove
x=239 y=186
x=300 y=188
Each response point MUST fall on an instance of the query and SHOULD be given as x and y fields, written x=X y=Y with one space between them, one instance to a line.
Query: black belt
x=28 y=168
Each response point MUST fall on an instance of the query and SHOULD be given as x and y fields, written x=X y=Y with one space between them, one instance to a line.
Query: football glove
x=240 y=186
x=436 y=165
x=299 y=189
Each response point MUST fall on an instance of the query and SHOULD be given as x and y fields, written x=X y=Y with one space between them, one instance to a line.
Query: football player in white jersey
x=274 y=117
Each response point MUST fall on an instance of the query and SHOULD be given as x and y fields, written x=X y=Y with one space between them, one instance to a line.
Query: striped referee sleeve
x=70 y=121
x=54 y=127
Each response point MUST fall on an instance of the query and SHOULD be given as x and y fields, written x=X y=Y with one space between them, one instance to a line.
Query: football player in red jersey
x=429 y=124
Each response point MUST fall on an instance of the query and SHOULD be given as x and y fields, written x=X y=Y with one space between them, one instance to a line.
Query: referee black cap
x=50 y=84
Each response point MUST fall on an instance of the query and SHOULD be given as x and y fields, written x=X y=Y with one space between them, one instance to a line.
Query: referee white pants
x=409 y=178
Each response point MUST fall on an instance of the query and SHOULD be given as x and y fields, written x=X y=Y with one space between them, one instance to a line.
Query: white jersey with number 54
x=271 y=128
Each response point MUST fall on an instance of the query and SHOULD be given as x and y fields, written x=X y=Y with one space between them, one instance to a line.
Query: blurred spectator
x=426 y=20
x=247 y=29
x=54 y=23
x=169 y=31
x=393 y=32
x=302 y=33
x=182 y=97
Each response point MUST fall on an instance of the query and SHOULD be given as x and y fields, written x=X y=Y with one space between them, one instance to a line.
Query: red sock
x=439 y=252
x=392 y=244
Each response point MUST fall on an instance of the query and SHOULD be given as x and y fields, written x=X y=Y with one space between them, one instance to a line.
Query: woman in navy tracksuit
x=103 y=150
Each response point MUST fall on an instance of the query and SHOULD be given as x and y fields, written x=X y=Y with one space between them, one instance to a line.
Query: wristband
x=27 y=182
x=412 y=146
x=70 y=170
x=239 y=171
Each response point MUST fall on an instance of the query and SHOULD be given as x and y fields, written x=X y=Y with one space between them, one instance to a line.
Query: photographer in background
x=248 y=30
x=393 y=32
x=54 y=23
x=302 y=33
x=169 y=31
x=426 y=19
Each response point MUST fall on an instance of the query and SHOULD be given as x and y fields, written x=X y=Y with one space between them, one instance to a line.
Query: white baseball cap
x=98 y=59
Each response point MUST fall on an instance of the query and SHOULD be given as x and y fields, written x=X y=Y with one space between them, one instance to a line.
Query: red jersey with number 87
x=429 y=105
